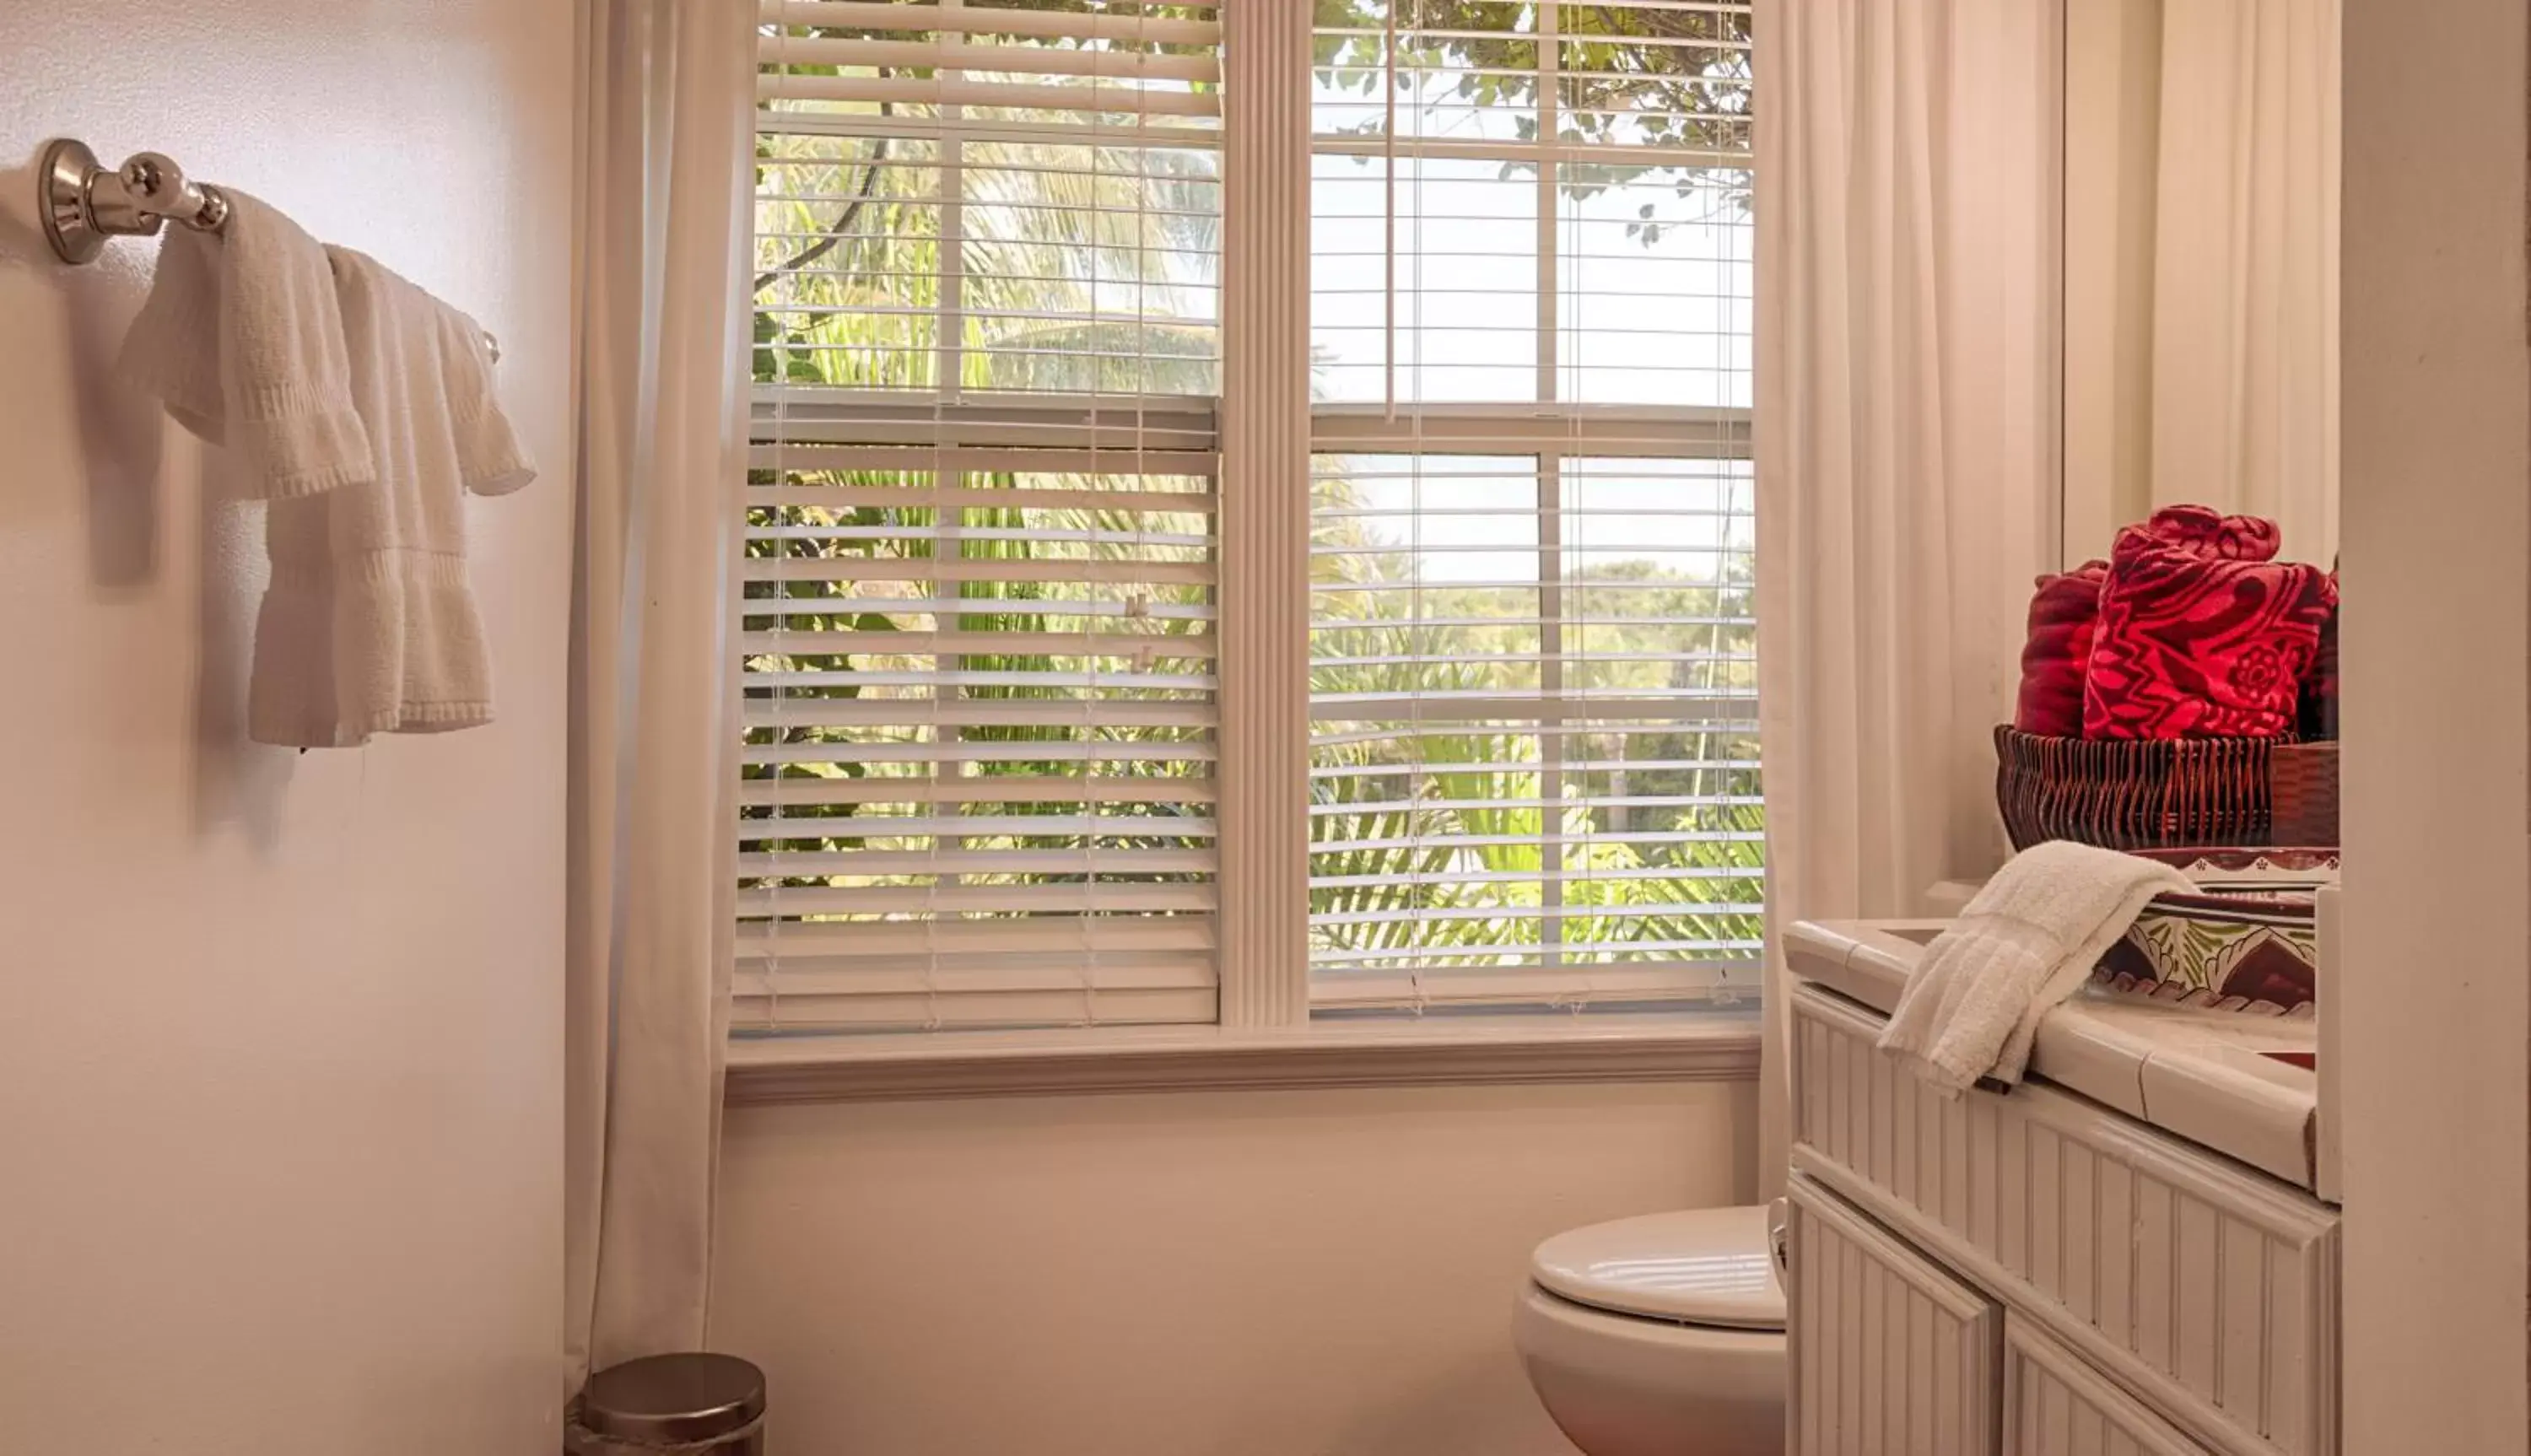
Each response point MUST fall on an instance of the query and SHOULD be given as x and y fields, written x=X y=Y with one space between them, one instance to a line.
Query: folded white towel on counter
x=242 y=337
x=370 y=625
x=2026 y=941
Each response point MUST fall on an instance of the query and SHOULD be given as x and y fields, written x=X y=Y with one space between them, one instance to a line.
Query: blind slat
x=1117 y=751
x=848 y=712
x=1035 y=935
x=991 y=789
x=973 y=569
x=1685 y=706
x=957 y=498
x=1199 y=132
x=877 y=15
x=1413 y=879
x=1573 y=951
x=989 y=899
x=1567 y=801
x=955 y=1005
x=1093 y=99
x=975 y=826
x=1160 y=645
x=1051 y=973
x=1570 y=765
x=795 y=455
x=998 y=60
x=1126 y=606
x=1559 y=839
x=974 y=862
x=1337 y=988
x=1497 y=914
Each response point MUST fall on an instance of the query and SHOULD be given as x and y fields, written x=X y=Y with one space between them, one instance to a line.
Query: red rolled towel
x=2209 y=531
x=2202 y=637
x=2319 y=682
x=2057 y=656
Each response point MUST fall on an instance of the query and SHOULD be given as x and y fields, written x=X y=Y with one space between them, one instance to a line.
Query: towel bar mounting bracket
x=84 y=204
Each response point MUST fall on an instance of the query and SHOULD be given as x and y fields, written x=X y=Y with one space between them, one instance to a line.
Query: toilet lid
x=1702 y=1266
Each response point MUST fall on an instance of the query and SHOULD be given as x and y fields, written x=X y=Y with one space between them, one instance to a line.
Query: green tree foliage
x=1627 y=77
x=1454 y=826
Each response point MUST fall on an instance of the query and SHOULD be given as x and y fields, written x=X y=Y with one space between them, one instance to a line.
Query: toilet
x=1661 y=1335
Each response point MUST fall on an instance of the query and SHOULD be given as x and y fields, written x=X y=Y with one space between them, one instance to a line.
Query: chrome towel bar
x=84 y=205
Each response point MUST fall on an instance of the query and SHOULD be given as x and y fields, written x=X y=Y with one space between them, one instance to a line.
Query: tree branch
x=841 y=227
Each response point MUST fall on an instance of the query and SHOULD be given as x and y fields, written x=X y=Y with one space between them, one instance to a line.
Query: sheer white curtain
x=2245 y=265
x=1905 y=442
x=665 y=177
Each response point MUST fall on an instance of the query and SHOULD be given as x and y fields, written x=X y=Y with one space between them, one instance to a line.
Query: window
x=984 y=584
x=979 y=595
x=1533 y=681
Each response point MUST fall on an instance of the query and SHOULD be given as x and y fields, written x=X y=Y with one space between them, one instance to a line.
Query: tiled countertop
x=2195 y=1074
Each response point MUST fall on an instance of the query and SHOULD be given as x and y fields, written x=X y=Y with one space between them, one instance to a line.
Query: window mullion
x=949 y=255
x=949 y=259
x=1547 y=122
x=1550 y=536
x=1550 y=686
x=1265 y=628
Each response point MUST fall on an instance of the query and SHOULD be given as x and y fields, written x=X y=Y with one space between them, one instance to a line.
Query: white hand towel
x=2023 y=944
x=242 y=338
x=370 y=625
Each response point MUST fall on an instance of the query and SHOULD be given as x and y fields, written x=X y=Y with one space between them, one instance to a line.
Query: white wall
x=2437 y=530
x=280 y=1073
x=1293 y=1273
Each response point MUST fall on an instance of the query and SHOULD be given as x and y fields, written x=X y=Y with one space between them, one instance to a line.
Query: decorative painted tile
x=2248 y=942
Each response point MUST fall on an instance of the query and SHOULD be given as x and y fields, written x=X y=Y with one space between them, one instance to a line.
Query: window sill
x=1145 y=1059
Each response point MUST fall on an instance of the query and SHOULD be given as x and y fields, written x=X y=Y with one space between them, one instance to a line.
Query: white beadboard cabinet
x=1896 y=1356
x=2035 y=1275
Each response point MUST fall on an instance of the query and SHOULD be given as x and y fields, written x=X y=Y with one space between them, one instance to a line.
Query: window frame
x=1264 y=1036
x=1549 y=437
x=1547 y=427
x=973 y=919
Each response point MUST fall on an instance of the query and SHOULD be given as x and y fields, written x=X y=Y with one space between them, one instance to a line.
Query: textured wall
x=280 y=1074
x=1296 y=1273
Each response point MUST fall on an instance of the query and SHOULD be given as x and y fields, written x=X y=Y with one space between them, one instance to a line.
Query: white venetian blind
x=976 y=614
x=1535 y=768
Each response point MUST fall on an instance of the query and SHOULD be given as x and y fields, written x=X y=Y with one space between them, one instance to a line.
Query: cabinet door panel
x=2055 y=1405
x=1889 y=1356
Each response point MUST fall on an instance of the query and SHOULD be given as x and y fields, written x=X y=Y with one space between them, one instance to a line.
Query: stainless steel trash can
x=679 y=1404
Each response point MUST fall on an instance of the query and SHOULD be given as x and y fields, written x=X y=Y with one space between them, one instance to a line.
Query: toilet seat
x=1709 y=1268
x=1659 y=1336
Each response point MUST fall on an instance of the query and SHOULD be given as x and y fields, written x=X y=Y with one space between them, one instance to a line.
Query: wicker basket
x=2302 y=788
x=2134 y=794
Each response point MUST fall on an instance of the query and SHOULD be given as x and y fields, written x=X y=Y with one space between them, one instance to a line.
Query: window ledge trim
x=1549 y=1049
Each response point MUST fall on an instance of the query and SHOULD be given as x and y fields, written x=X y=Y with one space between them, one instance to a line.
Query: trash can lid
x=673 y=1399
